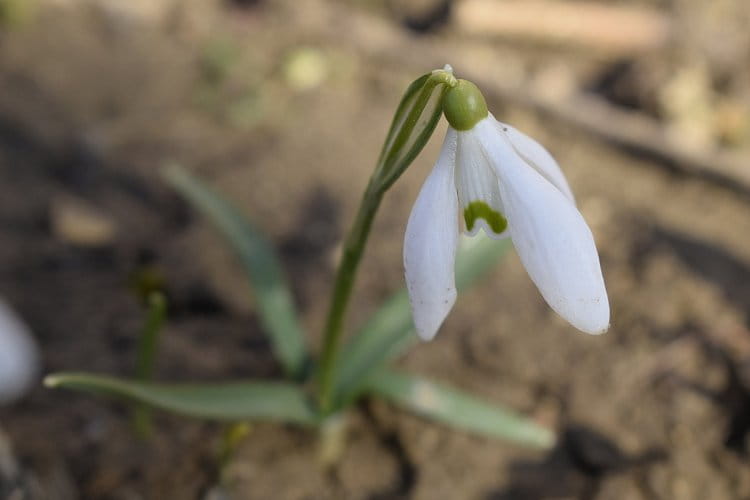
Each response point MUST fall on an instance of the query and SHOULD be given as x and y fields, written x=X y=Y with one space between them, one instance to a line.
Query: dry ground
x=95 y=100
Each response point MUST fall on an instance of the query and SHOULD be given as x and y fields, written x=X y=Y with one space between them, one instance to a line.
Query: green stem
x=147 y=347
x=353 y=249
x=157 y=308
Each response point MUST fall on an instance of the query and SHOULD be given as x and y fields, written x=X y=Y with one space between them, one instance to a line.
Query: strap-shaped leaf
x=390 y=330
x=274 y=401
x=259 y=259
x=457 y=408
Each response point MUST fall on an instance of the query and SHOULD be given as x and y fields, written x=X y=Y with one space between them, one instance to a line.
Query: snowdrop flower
x=507 y=184
x=18 y=356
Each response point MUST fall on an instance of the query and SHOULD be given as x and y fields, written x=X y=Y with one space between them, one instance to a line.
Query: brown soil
x=95 y=100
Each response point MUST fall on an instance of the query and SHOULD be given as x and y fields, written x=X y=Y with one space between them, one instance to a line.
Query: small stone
x=306 y=68
x=78 y=222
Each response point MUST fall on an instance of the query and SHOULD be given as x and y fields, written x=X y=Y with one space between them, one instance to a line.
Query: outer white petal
x=18 y=356
x=430 y=245
x=538 y=157
x=551 y=237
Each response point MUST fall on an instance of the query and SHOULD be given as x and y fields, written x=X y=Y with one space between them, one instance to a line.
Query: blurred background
x=282 y=105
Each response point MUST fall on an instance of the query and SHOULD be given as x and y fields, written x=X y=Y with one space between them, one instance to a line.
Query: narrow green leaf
x=388 y=333
x=258 y=257
x=274 y=401
x=390 y=330
x=458 y=409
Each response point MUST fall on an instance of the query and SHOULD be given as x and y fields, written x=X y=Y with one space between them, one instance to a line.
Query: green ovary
x=464 y=105
x=481 y=210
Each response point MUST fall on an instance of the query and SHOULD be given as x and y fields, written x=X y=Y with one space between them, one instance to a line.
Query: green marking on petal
x=481 y=210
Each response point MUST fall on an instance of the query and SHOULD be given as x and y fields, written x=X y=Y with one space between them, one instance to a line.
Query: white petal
x=538 y=157
x=551 y=237
x=18 y=356
x=430 y=245
x=478 y=193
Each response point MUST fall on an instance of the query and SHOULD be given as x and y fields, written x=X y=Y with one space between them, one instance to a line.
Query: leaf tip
x=173 y=173
x=51 y=381
x=546 y=438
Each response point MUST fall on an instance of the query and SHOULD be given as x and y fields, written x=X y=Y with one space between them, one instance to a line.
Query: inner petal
x=478 y=190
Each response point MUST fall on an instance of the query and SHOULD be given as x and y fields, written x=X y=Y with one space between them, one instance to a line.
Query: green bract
x=415 y=119
x=464 y=105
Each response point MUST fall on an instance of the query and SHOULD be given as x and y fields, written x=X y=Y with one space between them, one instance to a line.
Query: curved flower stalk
x=19 y=358
x=507 y=184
